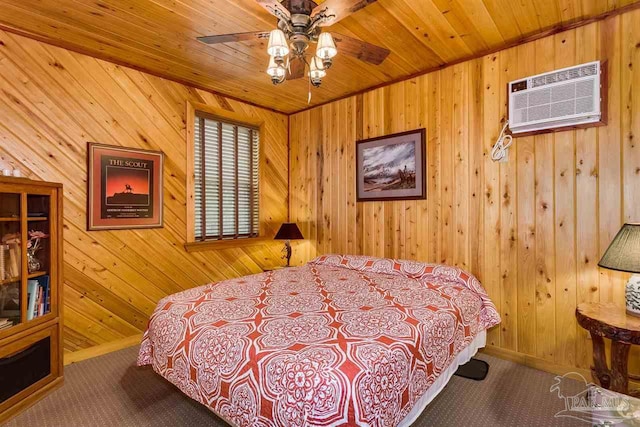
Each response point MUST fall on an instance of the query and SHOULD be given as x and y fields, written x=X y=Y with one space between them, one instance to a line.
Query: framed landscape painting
x=392 y=167
x=124 y=188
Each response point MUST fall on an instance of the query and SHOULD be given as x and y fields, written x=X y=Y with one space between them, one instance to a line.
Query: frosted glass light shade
x=326 y=47
x=277 y=44
x=275 y=70
x=316 y=69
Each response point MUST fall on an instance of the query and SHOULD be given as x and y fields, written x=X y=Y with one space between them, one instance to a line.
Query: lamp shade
x=623 y=254
x=289 y=231
x=275 y=70
x=326 y=47
x=277 y=44
x=316 y=69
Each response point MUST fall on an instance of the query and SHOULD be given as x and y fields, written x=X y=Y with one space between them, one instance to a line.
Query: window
x=226 y=158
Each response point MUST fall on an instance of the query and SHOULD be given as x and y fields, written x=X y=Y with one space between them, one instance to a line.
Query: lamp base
x=287 y=252
x=632 y=295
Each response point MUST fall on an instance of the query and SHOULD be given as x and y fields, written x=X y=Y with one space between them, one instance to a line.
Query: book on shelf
x=38 y=297
x=32 y=291
x=44 y=280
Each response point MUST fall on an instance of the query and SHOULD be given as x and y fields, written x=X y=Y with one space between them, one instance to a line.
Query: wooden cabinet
x=30 y=292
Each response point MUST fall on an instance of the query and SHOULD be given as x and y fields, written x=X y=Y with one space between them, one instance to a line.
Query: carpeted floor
x=111 y=391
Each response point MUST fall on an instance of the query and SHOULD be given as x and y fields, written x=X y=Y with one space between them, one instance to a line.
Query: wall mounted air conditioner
x=561 y=99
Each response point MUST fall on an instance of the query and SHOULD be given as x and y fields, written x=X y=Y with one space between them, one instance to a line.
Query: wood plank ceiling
x=159 y=36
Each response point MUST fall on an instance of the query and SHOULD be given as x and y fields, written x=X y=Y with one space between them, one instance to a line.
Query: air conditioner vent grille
x=564 y=75
x=554 y=102
x=561 y=98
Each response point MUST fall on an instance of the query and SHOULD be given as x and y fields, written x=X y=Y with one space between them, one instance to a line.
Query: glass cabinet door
x=38 y=256
x=11 y=241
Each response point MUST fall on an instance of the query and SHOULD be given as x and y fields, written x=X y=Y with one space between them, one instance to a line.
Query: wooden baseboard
x=99 y=350
x=541 y=364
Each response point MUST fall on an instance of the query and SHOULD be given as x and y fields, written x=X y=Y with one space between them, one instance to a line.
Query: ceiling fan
x=299 y=24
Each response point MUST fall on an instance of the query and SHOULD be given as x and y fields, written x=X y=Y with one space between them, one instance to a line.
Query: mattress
x=342 y=340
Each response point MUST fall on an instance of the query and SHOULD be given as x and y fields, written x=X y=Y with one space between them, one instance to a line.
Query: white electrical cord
x=499 y=151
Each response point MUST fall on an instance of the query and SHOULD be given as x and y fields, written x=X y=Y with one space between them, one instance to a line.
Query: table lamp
x=623 y=254
x=288 y=231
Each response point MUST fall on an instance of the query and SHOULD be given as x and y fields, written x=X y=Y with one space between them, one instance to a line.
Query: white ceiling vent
x=563 y=98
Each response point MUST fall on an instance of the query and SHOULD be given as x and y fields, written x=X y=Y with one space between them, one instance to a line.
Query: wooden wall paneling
x=545 y=252
x=491 y=276
x=53 y=102
x=587 y=253
x=315 y=126
x=630 y=131
x=565 y=54
x=630 y=115
x=94 y=291
x=476 y=167
x=359 y=207
x=298 y=193
x=395 y=122
x=336 y=186
x=417 y=94
x=303 y=202
x=324 y=232
x=508 y=218
x=349 y=179
x=461 y=165
x=76 y=302
x=387 y=215
x=407 y=220
x=432 y=241
x=610 y=160
x=526 y=242
x=373 y=125
x=447 y=224
x=313 y=167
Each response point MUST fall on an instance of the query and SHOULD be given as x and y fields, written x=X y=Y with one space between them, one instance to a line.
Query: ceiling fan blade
x=236 y=37
x=340 y=8
x=361 y=50
x=275 y=8
x=296 y=69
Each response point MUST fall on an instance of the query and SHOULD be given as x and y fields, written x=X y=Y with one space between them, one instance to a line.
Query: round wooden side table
x=610 y=321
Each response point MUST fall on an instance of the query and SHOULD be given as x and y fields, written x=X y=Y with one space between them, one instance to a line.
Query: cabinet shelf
x=9 y=280
x=17 y=278
x=31 y=218
x=36 y=274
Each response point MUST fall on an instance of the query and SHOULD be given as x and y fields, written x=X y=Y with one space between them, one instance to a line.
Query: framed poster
x=124 y=188
x=392 y=167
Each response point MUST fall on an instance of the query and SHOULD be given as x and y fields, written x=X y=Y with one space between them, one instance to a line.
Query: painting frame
x=137 y=206
x=419 y=191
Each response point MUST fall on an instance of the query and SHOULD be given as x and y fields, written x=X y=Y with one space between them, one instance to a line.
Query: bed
x=342 y=340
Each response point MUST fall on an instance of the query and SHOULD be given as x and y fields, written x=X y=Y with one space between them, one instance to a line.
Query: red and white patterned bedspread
x=342 y=340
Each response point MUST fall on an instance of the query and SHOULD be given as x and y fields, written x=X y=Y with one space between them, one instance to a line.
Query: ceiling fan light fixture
x=278 y=46
x=326 y=47
x=276 y=71
x=299 y=23
x=316 y=71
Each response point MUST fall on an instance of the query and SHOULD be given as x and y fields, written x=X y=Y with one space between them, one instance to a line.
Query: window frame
x=193 y=245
